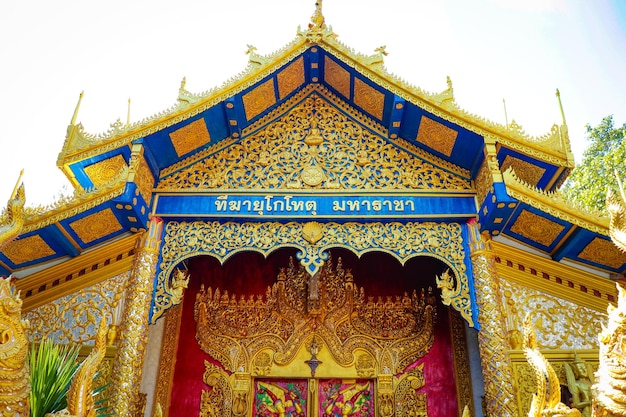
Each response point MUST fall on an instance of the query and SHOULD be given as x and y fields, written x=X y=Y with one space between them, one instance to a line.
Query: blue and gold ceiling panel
x=601 y=252
x=190 y=137
x=536 y=228
x=532 y=171
x=28 y=249
x=436 y=136
x=291 y=78
x=103 y=172
x=96 y=226
x=369 y=99
x=259 y=99
x=337 y=77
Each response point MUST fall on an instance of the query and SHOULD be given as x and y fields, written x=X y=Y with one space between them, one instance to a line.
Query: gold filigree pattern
x=144 y=180
x=290 y=160
x=96 y=225
x=443 y=241
x=496 y=364
x=369 y=99
x=536 y=228
x=131 y=350
x=217 y=401
x=616 y=206
x=410 y=403
x=483 y=182
x=190 y=137
x=329 y=306
x=74 y=318
x=169 y=345
x=101 y=173
x=462 y=373
x=436 y=136
x=337 y=77
x=559 y=324
x=12 y=220
x=27 y=249
x=290 y=78
x=525 y=170
x=603 y=252
x=259 y=99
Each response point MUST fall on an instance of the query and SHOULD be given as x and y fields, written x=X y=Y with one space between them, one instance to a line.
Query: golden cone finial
x=317 y=20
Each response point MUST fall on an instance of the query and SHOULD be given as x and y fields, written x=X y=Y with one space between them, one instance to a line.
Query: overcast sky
x=518 y=50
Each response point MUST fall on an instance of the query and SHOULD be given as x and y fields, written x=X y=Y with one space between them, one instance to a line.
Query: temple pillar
x=500 y=389
x=126 y=374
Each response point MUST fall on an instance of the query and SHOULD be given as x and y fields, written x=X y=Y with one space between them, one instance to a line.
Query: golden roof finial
x=75 y=115
x=317 y=20
x=17 y=184
x=558 y=96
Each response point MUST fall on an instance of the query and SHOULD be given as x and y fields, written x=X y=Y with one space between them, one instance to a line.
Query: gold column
x=500 y=390
x=128 y=365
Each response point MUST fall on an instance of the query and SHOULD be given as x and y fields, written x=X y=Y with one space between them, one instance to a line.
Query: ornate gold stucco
x=96 y=225
x=337 y=77
x=290 y=78
x=131 y=349
x=526 y=171
x=536 y=228
x=190 y=137
x=443 y=241
x=603 y=252
x=101 y=173
x=369 y=99
x=500 y=390
x=259 y=99
x=74 y=318
x=436 y=136
x=349 y=156
x=27 y=249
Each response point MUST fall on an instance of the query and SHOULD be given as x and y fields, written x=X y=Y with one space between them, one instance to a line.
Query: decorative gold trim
x=436 y=136
x=290 y=78
x=167 y=363
x=526 y=171
x=443 y=241
x=536 y=228
x=369 y=99
x=96 y=226
x=102 y=172
x=604 y=252
x=27 y=249
x=259 y=99
x=337 y=77
x=460 y=356
x=190 y=137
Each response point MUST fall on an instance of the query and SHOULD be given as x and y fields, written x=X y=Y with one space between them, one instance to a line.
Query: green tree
x=587 y=184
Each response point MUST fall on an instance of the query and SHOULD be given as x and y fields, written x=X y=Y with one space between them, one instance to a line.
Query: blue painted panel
x=322 y=207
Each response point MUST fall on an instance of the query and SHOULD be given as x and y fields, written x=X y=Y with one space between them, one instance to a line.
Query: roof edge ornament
x=564 y=132
x=317 y=28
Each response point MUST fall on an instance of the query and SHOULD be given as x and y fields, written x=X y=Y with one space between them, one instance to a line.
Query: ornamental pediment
x=314 y=142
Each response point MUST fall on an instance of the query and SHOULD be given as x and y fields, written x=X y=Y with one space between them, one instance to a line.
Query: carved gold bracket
x=443 y=241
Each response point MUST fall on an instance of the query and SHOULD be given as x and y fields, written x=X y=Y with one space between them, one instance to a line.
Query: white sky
x=519 y=50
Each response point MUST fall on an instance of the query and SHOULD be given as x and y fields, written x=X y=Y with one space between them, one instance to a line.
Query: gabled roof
x=116 y=173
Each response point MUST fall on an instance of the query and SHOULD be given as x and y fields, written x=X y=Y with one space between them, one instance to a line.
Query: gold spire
x=75 y=115
x=506 y=117
x=558 y=96
x=17 y=184
x=128 y=113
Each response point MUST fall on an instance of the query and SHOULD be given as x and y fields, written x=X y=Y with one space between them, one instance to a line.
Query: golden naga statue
x=616 y=207
x=80 y=402
x=547 y=401
x=12 y=220
x=609 y=391
x=14 y=374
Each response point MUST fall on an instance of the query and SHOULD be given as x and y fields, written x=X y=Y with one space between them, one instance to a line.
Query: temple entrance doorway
x=367 y=337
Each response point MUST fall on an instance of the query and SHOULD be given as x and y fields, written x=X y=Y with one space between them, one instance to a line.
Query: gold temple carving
x=301 y=317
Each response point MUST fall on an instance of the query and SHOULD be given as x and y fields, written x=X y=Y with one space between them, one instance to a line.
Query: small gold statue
x=579 y=385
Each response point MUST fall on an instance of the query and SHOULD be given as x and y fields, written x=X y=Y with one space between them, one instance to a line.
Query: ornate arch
x=183 y=240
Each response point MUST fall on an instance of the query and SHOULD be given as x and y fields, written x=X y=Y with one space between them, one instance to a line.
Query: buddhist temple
x=316 y=237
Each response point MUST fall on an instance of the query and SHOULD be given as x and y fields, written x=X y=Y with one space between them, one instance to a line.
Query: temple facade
x=317 y=238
